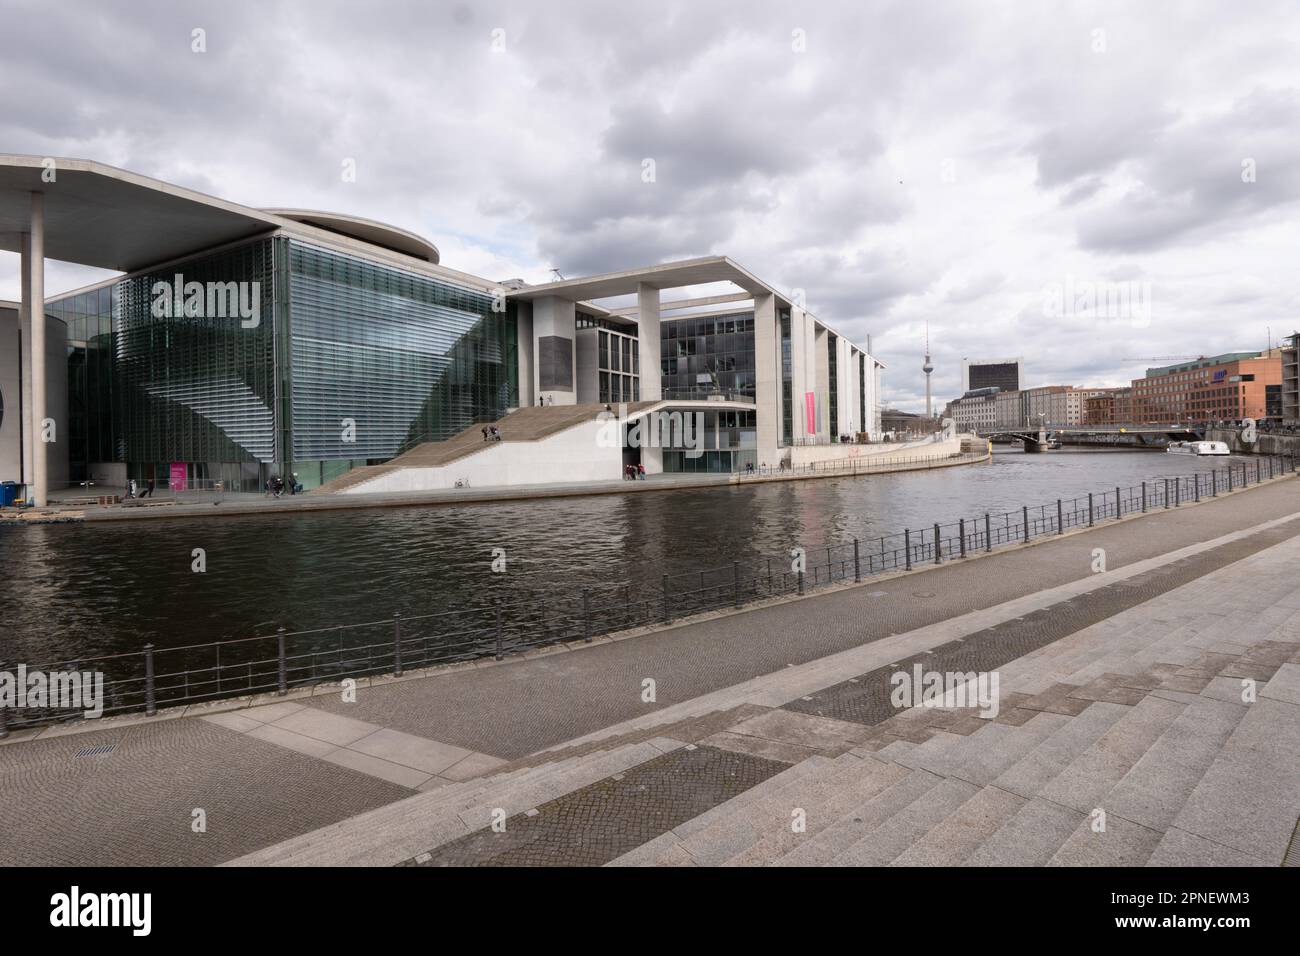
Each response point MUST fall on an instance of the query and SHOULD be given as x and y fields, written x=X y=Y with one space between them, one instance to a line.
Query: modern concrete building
x=239 y=343
x=1004 y=373
x=21 y=436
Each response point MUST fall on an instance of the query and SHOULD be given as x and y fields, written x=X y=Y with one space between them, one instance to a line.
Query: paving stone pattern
x=592 y=826
x=866 y=699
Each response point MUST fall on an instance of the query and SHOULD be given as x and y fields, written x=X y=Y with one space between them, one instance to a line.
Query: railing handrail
x=602 y=607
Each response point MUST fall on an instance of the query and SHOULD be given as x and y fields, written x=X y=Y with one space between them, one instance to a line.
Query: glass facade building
x=287 y=357
x=707 y=355
x=728 y=441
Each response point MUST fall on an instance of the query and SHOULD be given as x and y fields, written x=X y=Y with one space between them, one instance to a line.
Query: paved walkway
x=259 y=784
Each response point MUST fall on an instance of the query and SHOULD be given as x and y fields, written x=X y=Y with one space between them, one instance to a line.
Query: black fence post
x=988 y=534
x=150 y=700
x=1229 y=469
x=1178 y=492
x=499 y=655
x=1025 y=510
x=1196 y=478
x=586 y=615
x=1090 y=510
x=1166 y=492
x=4 y=714
x=1256 y=471
x=907 y=547
x=1060 y=517
x=961 y=534
x=282 y=664
x=937 y=556
x=397 y=643
x=1119 y=504
x=801 y=582
x=1214 y=483
x=735 y=582
x=857 y=563
x=1144 y=497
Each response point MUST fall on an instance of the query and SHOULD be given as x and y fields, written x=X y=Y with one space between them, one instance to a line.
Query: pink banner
x=176 y=480
x=810 y=407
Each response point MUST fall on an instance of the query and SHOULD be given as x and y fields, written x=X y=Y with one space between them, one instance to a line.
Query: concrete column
x=823 y=381
x=36 y=310
x=527 y=361
x=799 y=369
x=647 y=320
x=25 y=359
x=767 y=379
x=554 y=331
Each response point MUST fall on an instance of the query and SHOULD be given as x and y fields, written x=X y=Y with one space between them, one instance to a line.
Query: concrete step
x=1040 y=826
x=1028 y=837
x=1144 y=803
x=825 y=805
x=1252 y=824
x=858 y=823
x=398 y=831
x=667 y=849
x=962 y=831
x=736 y=831
x=1028 y=775
x=1082 y=783
x=986 y=754
x=903 y=828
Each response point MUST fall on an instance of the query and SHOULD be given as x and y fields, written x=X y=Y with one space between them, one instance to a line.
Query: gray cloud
x=818 y=169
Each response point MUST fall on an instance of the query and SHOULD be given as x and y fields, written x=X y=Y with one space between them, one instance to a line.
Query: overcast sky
x=982 y=166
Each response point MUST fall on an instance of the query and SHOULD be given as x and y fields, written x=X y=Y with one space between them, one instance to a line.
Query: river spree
x=82 y=590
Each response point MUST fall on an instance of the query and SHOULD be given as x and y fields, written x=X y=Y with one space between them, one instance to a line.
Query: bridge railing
x=524 y=618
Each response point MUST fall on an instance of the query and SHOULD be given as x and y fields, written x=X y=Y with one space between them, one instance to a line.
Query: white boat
x=1197 y=448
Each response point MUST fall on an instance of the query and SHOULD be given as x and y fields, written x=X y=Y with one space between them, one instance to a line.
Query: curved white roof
x=364 y=230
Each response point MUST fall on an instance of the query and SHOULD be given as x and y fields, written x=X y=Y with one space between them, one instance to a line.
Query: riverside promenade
x=207 y=504
x=1123 y=691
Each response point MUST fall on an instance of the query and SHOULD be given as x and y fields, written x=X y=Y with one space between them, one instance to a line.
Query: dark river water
x=74 y=591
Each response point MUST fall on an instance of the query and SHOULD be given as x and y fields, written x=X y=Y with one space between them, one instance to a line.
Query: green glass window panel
x=406 y=357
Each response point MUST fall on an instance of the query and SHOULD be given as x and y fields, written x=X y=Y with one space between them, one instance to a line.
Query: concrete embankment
x=944 y=455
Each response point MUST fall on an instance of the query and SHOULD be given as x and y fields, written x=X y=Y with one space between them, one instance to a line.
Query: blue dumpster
x=8 y=493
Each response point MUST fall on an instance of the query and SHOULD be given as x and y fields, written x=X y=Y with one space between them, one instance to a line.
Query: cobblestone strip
x=595 y=824
x=866 y=699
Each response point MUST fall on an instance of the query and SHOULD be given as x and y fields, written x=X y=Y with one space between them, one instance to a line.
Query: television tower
x=927 y=368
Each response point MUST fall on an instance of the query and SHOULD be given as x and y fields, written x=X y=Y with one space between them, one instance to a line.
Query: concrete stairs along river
x=532 y=423
x=1140 y=716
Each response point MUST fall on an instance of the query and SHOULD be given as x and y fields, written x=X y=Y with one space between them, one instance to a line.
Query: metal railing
x=863 y=465
x=153 y=677
x=704 y=393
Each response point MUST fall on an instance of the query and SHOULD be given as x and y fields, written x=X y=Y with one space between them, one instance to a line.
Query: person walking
x=485 y=433
x=640 y=471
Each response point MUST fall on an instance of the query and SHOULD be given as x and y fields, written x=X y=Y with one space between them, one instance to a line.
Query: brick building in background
x=1226 y=387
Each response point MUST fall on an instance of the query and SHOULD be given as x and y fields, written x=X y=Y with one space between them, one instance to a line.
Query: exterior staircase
x=1163 y=735
x=532 y=423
